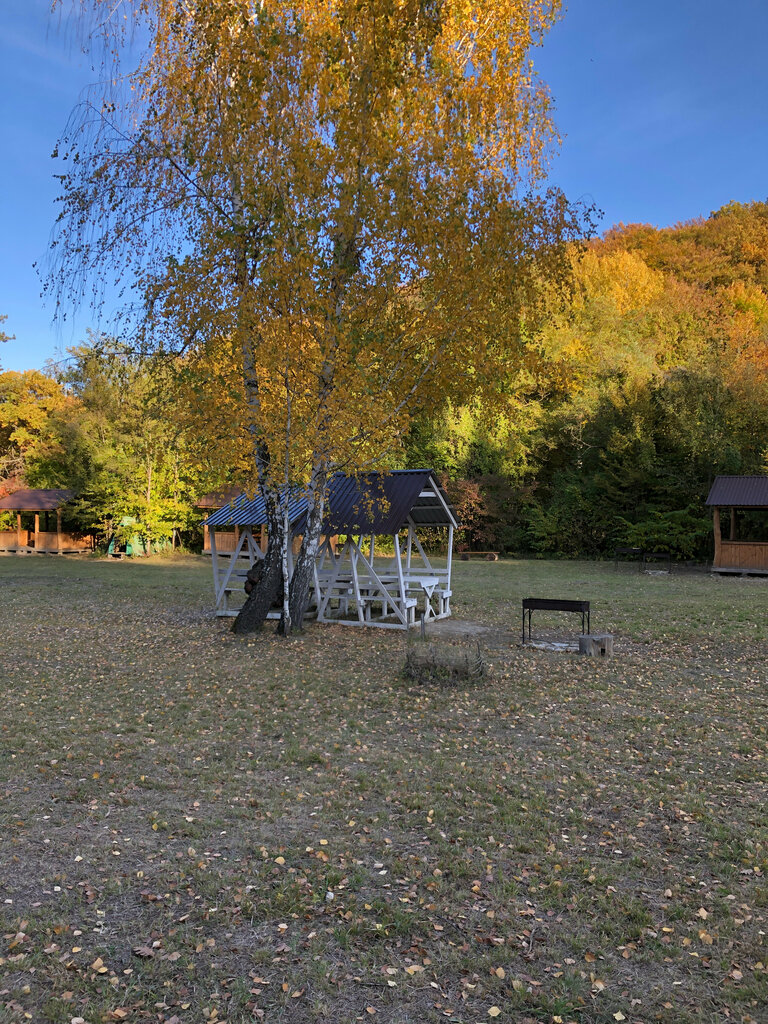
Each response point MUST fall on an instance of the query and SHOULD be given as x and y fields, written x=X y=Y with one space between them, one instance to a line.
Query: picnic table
x=424 y=590
x=643 y=556
x=654 y=557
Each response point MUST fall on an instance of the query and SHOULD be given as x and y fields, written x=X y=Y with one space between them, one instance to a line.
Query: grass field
x=200 y=828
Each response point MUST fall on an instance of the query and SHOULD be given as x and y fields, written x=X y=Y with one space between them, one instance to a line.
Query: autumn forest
x=645 y=376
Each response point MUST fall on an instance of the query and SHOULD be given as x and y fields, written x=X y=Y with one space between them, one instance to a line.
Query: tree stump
x=596 y=645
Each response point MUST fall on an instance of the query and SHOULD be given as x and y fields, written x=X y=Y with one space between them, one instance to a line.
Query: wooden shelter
x=738 y=493
x=226 y=540
x=39 y=502
x=353 y=585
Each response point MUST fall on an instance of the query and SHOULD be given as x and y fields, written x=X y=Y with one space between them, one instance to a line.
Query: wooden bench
x=643 y=557
x=549 y=604
x=636 y=554
x=657 y=556
x=489 y=556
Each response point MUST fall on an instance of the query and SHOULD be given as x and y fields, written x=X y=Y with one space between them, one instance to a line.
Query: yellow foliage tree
x=334 y=196
x=29 y=402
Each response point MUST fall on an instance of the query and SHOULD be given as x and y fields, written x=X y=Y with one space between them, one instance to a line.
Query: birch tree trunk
x=303 y=572
x=266 y=577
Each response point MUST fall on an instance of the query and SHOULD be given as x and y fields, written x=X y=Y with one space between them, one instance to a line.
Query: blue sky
x=663 y=107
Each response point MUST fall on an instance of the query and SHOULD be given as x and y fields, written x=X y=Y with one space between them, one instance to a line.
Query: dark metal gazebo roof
x=245 y=511
x=378 y=503
x=36 y=500
x=739 y=492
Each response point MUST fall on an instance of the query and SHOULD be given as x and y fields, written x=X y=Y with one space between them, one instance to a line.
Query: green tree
x=130 y=453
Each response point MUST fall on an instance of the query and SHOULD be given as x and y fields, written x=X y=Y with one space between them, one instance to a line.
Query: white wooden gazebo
x=353 y=583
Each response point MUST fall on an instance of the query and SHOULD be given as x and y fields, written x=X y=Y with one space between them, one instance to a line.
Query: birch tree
x=339 y=197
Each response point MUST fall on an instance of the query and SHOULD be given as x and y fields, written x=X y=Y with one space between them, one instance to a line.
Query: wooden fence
x=226 y=540
x=45 y=542
x=11 y=539
x=742 y=554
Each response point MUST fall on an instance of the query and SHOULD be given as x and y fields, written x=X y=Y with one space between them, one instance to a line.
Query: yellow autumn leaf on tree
x=337 y=215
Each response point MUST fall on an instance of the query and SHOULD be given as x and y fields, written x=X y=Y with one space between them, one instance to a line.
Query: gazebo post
x=58 y=530
x=353 y=550
x=401 y=577
x=716 y=528
x=206 y=538
x=18 y=530
x=37 y=529
x=215 y=565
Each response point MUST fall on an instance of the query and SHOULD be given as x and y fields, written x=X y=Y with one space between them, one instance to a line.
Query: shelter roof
x=739 y=491
x=383 y=502
x=218 y=498
x=246 y=511
x=370 y=503
x=36 y=500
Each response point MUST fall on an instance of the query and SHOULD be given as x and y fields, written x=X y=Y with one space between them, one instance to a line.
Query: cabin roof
x=36 y=500
x=218 y=498
x=739 y=492
x=378 y=503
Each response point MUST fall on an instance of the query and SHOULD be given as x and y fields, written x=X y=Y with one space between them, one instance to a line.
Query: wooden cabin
x=28 y=539
x=728 y=496
x=354 y=584
x=226 y=539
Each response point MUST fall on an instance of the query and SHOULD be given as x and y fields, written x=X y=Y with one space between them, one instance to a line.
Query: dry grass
x=203 y=828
